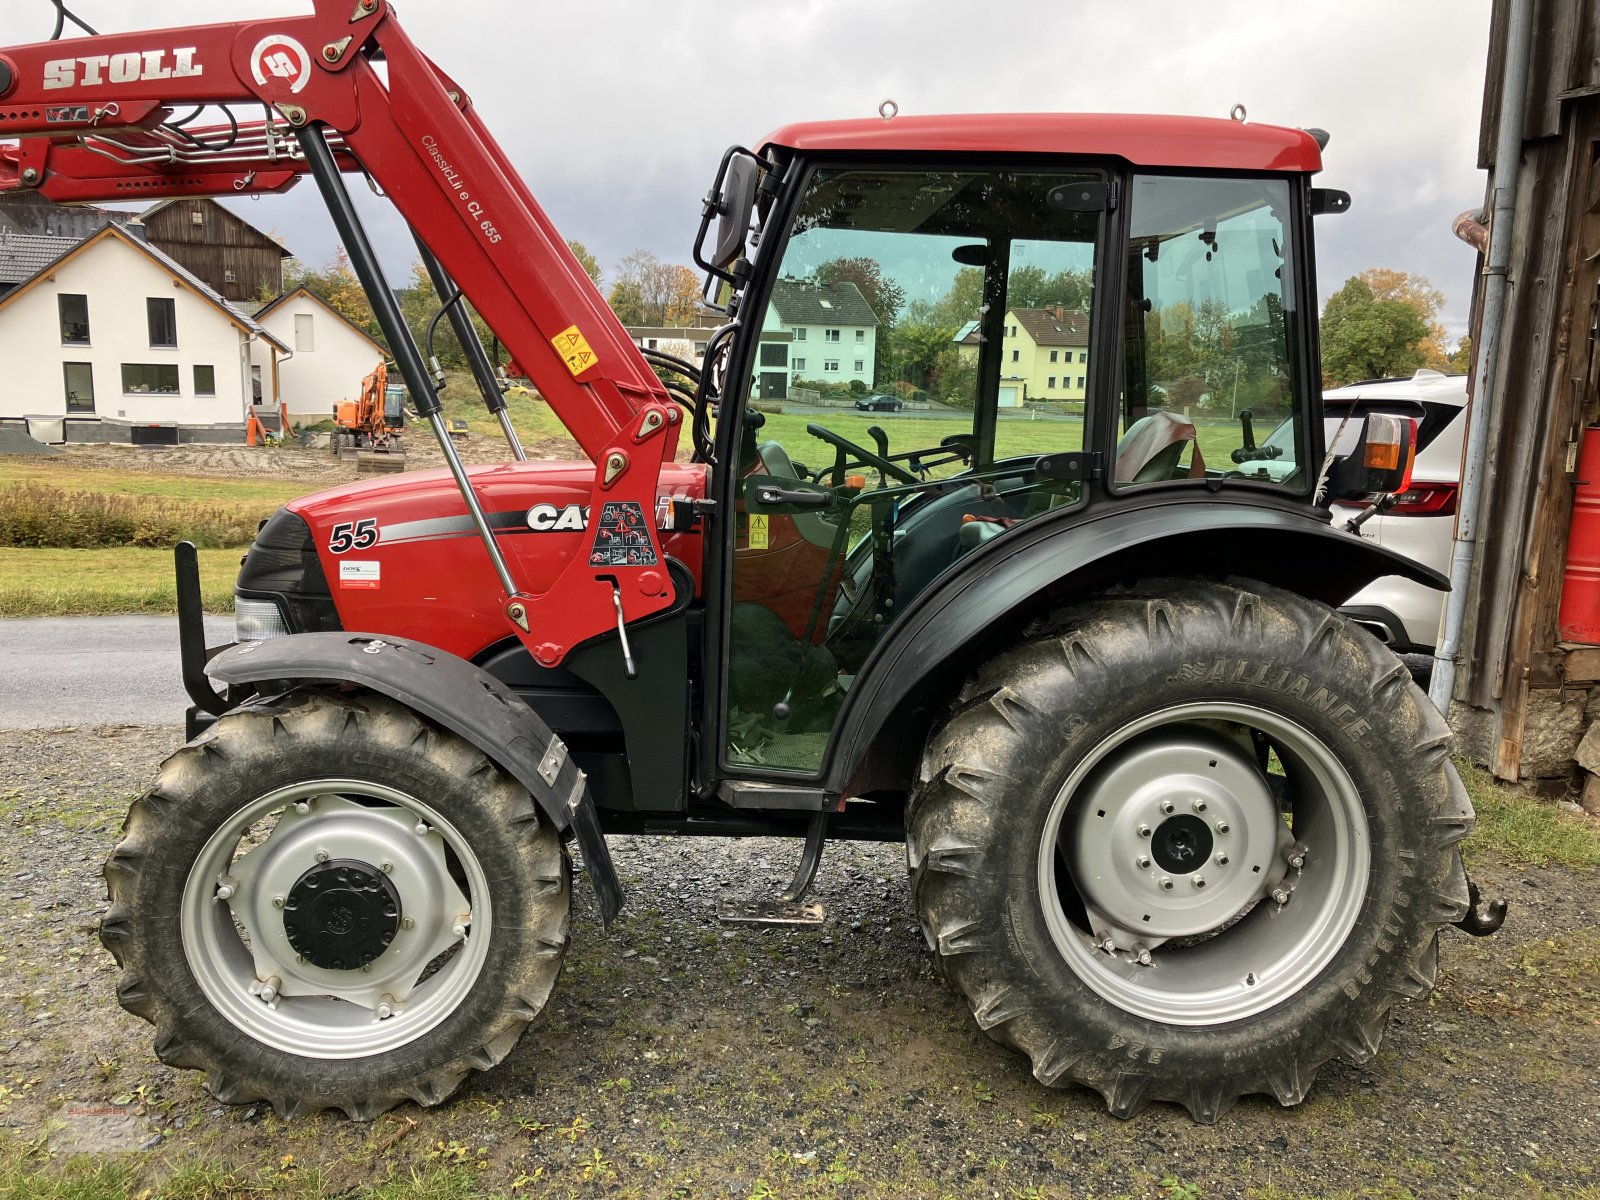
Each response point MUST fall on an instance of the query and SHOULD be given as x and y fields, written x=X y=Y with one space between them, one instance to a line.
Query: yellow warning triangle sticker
x=574 y=350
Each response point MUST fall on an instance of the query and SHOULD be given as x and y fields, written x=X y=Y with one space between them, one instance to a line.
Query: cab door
x=967 y=295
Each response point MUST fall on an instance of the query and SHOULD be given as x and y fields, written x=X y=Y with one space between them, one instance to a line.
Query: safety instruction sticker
x=359 y=573
x=758 y=531
x=621 y=537
x=574 y=350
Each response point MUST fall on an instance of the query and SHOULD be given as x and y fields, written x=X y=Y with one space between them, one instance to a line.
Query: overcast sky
x=617 y=111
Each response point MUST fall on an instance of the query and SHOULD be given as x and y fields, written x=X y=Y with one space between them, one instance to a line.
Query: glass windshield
x=1209 y=339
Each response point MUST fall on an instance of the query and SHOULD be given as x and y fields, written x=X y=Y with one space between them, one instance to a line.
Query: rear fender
x=985 y=604
x=465 y=699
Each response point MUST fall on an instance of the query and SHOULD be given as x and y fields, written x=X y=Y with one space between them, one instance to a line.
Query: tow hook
x=1482 y=922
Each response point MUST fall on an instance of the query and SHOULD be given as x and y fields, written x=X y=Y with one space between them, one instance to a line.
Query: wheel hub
x=341 y=914
x=1174 y=835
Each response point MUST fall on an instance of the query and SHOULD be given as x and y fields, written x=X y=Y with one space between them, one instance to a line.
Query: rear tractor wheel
x=1189 y=843
x=325 y=902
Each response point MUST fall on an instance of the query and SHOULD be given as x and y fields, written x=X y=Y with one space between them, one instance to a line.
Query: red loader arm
x=96 y=119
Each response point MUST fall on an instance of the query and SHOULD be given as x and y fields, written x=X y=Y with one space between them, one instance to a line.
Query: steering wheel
x=866 y=457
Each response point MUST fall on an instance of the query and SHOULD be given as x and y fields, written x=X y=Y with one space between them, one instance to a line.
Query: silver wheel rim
x=1226 y=947
x=256 y=980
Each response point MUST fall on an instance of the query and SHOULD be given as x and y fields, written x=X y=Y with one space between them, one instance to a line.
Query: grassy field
x=208 y=490
x=54 y=583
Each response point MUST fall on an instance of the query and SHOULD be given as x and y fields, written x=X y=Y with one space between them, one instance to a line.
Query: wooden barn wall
x=221 y=243
x=1515 y=708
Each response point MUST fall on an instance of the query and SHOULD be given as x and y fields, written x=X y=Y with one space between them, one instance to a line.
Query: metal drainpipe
x=1507 y=163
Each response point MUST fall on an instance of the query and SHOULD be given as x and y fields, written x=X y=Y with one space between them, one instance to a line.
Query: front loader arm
x=95 y=121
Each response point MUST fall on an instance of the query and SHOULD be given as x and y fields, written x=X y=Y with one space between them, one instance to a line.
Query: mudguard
x=463 y=698
x=1191 y=535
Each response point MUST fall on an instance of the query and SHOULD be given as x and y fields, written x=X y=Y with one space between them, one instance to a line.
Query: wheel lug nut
x=224 y=891
x=408 y=922
x=386 y=1008
x=420 y=829
x=1144 y=831
x=277 y=902
x=1198 y=880
x=1167 y=806
x=387 y=868
x=321 y=856
x=1297 y=861
x=458 y=930
x=1222 y=860
x=1199 y=805
x=1144 y=862
x=1166 y=884
x=1279 y=896
x=302 y=807
x=1143 y=957
x=1222 y=827
x=1109 y=946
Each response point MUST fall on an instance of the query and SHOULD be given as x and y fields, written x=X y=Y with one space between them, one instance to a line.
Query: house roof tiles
x=1054 y=326
x=805 y=303
x=24 y=255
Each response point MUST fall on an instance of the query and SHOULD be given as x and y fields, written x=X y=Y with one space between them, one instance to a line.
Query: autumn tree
x=1364 y=337
x=651 y=291
x=335 y=284
x=1421 y=295
x=1461 y=356
x=586 y=260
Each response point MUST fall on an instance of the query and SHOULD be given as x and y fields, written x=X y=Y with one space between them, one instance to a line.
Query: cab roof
x=1196 y=143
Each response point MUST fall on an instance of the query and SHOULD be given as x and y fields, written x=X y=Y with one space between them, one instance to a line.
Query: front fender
x=465 y=699
x=986 y=601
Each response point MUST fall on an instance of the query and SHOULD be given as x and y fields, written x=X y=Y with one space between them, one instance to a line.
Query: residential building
x=1044 y=354
x=689 y=343
x=327 y=360
x=24 y=255
x=826 y=332
x=113 y=341
x=230 y=255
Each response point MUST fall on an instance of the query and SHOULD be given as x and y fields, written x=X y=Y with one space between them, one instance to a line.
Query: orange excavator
x=368 y=427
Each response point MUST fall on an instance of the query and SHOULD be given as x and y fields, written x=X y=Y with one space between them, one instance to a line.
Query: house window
x=699 y=349
x=860 y=366
x=1053 y=355
x=74 y=312
x=800 y=334
x=138 y=378
x=774 y=354
x=1016 y=356
x=79 y=381
x=162 y=317
x=1083 y=356
x=229 y=277
x=830 y=335
x=861 y=335
x=830 y=364
x=1052 y=383
x=205 y=380
x=196 y=217
x=650 y=343
x=1011 y=331
x=305 y=336
x=255 y=385
x=1080 y=381
x=798 y=364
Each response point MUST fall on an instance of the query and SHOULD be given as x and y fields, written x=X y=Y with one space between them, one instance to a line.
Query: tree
x=585 y=259
x=1461 y=357
x=337 y=286
x=650 y=291
x=883 y=295
x=1364 y=337
x=1421 y=295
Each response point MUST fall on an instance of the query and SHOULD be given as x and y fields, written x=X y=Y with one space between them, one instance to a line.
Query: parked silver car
x=1421 y=525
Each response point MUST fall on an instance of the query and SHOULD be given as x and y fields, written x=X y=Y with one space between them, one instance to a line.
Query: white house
x=115 y=342
x=328 y=359
x=832 y=334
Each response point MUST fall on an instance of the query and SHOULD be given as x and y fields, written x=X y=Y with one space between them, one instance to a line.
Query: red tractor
x=1177 y=830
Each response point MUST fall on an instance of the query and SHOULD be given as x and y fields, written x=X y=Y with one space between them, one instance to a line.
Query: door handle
x=801 y=498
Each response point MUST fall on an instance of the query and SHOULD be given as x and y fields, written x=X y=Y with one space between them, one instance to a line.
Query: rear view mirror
x=730 y=202
x=1381 y=461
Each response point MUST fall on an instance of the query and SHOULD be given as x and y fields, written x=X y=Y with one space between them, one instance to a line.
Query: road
x=61 y=671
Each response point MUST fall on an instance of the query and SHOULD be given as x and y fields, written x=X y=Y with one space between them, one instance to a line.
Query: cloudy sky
x=617 y=111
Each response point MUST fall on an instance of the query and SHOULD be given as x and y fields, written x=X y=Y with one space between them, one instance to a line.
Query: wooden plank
x=1583 y=664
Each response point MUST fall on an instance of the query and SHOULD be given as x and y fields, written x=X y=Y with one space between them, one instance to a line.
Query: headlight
x=257 y=620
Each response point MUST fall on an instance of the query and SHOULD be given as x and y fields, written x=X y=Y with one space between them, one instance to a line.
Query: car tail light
x=1419 y=500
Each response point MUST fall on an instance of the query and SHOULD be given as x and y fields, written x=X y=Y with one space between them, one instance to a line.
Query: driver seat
x=1150 y=449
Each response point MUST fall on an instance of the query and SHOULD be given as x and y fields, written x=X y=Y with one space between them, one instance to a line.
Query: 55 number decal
x=354 y=535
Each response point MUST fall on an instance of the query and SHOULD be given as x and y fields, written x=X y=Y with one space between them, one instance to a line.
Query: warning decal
x=574 y=350
x=621 y=537
x=758 y=531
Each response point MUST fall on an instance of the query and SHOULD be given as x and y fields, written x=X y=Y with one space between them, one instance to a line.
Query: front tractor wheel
x=1189 y=843
x=325 y=902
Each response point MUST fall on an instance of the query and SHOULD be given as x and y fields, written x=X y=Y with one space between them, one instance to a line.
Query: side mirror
x=1381 y=461
x=730 y=202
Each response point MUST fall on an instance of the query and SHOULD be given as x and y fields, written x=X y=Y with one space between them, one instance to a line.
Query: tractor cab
x=1064 y=335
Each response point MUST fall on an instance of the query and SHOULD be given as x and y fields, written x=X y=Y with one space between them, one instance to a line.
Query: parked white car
x=1406 y=616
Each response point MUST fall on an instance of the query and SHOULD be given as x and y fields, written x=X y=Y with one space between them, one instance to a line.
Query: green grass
x=126 y=579
x=1525 y=828
x=211 y=491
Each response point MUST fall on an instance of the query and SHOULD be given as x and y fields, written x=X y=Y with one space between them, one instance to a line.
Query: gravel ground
x=681 y=1058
